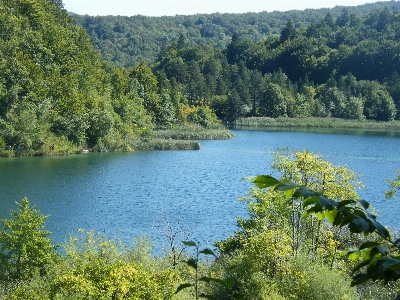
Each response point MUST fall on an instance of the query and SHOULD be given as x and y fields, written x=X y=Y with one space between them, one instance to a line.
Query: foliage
x=24 y=243
x=379 y=259
x=194 y=263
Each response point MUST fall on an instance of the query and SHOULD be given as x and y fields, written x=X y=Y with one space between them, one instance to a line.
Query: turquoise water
x=130 y=194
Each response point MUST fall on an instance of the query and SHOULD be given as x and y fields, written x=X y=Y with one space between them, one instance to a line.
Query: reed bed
x=165 y=144
x=315 y=122
x=194 y=133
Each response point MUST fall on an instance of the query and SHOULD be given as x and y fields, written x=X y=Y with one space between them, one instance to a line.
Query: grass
x=195 y=132
x=165 y=144
x=316 y=122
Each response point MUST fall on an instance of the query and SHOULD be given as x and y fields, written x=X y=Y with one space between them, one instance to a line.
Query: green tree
x=24 y=243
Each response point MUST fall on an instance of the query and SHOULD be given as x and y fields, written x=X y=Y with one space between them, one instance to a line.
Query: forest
x=59 y=89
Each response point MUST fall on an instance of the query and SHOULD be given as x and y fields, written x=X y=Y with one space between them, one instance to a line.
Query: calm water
x=135 y=193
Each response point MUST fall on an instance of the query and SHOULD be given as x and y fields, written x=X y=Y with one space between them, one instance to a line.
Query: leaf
x=281 y=187
x=380 y=229
x=368 y=245
x=320 y=216
x=363 y=203
x=229 y=283
x=189 y=243
x=207 y=252
x=358 y=225
x=310 y=201
x=327 y=203
x=359 y=279
x=345 y=202
x=383 y=250
x=209 y=279
x=264 y=181
x=388 y=263
x=192 y=263
x=359 y=266
x=207 y=297
x=330 y=215
x=305 y=192
x=183 y=286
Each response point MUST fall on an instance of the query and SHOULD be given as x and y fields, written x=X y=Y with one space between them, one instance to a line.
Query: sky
x=190 y=7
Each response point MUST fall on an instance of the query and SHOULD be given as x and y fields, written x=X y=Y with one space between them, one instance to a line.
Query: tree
x=24 y=243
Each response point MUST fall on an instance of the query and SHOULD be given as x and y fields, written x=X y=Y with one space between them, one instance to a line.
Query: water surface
x=136 y=193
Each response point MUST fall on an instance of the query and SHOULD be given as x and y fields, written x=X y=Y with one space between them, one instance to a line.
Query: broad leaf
x=264 y=181
x=330 y=215
x=207 y=252
x=380 y=229
x=192 y=263
x=305 y=192
x=358 y=225
x=388 y=263
x=183 y=286
x=383 y=250
x=310 y=201
x=281 y=187
x=189 y=243
x=364 y=204
x=368 y=245
x=345 y=203
x=327 y=203
x=359 y=279
x=229 y=283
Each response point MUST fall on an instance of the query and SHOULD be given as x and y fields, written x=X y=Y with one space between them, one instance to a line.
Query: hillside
x=126 y=41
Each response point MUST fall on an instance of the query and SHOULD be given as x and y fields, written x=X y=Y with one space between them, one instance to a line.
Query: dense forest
x=55 y=89
x=126 y=41
x=311 y=66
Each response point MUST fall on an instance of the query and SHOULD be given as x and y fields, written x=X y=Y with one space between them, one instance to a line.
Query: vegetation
x=57 y=96
x=261 y=122
x=308 y=236
x=126 y=41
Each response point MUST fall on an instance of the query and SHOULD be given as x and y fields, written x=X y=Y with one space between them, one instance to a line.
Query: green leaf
x=345 y=203
x=192 y=263
x=383 y=250
x=358 y=225
x=229 y=283
x=183 y=286
x=359 y=279
x=189 y=243
x=380 y=229
x=368 y=245
x=320 y=216
x=264 y=181
x=330 y=215
x=359 y=266
x=207 y=252
x=388 y=263
x=305 y=192
x=364 y=204
x=310 y=201
x=327 y=203
x=281 y=187
x=207 y=297
x=209 y=279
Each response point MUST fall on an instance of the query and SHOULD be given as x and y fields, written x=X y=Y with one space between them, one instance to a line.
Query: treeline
x=126 y=41
x=56 y=89
x=344 y=67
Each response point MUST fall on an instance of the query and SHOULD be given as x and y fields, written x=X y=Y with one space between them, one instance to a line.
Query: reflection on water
x=134 y=193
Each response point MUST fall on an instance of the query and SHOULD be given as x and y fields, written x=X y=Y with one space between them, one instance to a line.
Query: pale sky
x=191 y=7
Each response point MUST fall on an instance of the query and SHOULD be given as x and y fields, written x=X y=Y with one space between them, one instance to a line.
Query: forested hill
x=125 y=41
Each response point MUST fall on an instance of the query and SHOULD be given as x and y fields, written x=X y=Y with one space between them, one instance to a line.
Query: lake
x=137 y=193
